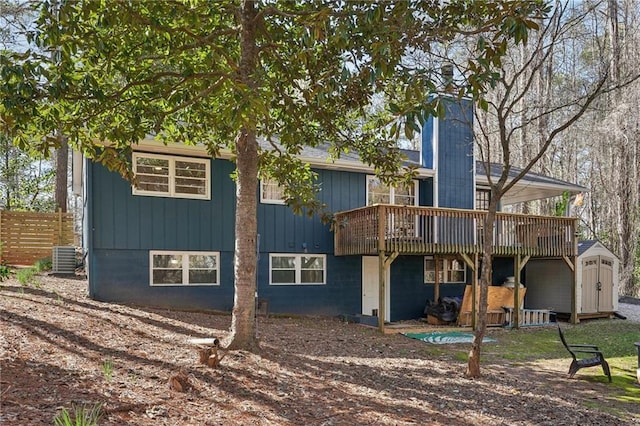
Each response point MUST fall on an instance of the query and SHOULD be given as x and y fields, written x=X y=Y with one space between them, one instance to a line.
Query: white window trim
x=392 y=191
x=446 y=262
x=185 y=267
x=172 y=162
x=263 y=200
x=298 y=270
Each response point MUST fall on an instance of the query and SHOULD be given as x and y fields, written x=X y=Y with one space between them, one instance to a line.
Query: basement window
x=291 y=269
x=450 y=270
x=184 y=268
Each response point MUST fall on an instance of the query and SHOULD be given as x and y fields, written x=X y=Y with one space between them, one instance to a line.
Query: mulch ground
x=60 y=349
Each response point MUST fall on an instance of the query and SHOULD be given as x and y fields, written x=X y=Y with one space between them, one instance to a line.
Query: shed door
x=590 y=285
x=605 y=295
x=370 y=287
x=597 y=284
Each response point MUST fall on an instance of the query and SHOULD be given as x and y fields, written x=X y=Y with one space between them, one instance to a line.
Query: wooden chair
x=584 y=356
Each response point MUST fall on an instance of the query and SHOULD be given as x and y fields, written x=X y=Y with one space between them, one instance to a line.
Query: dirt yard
x=60 y=349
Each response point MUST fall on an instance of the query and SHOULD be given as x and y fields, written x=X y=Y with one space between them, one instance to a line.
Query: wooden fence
x=26 y=237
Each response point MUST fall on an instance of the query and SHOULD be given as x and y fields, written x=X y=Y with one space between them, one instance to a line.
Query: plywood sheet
x=497 y=298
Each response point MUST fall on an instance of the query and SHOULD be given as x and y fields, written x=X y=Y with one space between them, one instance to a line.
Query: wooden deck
x=430 y=230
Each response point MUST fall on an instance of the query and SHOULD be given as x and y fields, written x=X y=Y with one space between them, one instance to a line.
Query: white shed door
x=597 y=284
x=590 y=285
x=605 y=295
x=370 y=287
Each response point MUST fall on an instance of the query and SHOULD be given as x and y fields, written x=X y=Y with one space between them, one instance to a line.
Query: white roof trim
x=151 y=145
x=525 y=190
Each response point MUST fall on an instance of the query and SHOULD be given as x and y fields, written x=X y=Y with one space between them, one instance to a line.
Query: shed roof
x=585 y=245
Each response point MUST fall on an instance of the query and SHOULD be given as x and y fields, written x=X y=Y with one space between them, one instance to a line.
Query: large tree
x=528 y=110
x=231 y=74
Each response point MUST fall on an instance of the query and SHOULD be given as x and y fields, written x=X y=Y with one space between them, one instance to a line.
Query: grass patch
x=615 y=338
x=107 y=368
x=26 y=276
x=528 y=346
x=79 y=416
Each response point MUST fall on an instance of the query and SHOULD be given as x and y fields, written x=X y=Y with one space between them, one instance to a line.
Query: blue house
x=169 y=240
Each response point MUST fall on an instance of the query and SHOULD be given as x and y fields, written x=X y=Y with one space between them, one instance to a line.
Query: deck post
x=474 y=293
x=574 y=291
x=574 y=287
x=516 y=292
x=382 y=219
x=381 y=291
x=436 y=285
x=473 y=265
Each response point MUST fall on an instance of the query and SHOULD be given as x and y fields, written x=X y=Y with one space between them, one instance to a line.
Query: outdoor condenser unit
x=64 y=260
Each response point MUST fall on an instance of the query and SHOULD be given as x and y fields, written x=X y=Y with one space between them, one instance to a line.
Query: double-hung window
x=286 y=269
x=450 y=270
x=271 y=192
x=184 y=268
x=168 y=176
x=379 y=193
x=404 y=224
x=482 y=198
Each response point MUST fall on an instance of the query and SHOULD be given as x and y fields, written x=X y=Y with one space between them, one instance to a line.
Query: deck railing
x=431 y=230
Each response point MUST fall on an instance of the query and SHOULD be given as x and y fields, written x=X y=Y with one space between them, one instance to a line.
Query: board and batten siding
x=453 y=136
x=126 y=221
x=124 y=228
x=282 y=231
x=455 y=157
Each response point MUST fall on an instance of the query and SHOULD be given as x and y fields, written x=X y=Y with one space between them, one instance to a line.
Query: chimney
x=447 y=76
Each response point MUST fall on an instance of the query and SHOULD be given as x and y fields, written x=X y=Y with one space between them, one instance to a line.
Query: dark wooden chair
x=584 y=356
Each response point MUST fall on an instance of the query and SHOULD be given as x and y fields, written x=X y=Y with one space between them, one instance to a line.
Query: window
x=297 y=269
x=404 y=195
x=271 y=192
x=482 y=199
x=378 y=193
x=450 y=270
x=166 y=176
x=184 y=268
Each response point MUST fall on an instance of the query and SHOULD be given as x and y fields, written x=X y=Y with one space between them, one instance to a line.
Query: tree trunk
x=62 y=167
x=473 y=363
x=246 y=230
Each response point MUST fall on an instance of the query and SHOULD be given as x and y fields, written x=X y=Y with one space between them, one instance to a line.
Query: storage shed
x=549 y=282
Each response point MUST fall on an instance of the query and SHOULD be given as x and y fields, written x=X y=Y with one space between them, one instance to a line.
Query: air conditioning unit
x=64 y=260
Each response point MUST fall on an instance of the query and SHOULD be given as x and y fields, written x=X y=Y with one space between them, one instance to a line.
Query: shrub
x=4 y=272
x=81 y=416
x=26 y=276
x=43 y=265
